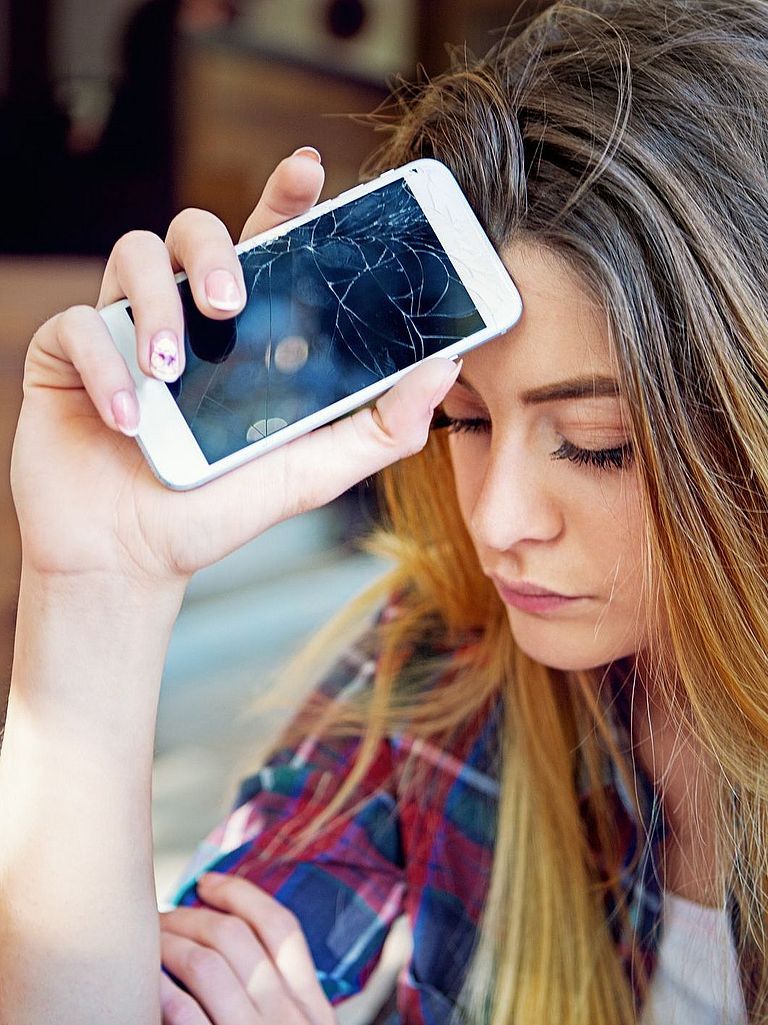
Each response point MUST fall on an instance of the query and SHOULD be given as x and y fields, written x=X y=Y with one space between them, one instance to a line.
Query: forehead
x=562 y=332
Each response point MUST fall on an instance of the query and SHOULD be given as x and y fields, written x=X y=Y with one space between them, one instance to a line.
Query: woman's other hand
x=87 y=501
x=243 y=960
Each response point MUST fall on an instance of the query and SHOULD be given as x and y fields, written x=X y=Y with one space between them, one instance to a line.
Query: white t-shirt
x=696 y=980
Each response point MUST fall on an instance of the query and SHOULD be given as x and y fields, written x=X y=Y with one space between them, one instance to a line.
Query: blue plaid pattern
x=427 y=854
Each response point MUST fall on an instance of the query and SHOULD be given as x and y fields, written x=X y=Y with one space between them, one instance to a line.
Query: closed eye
x=617 y=458
x=601 y=458
x=459 y=426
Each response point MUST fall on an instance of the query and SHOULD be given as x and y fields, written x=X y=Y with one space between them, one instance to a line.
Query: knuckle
x=51 y=326
x=203 y=964
x=229 y=930
x=416 y=444
x=131 y=241
x=285 y=923
x=191 y=217
x=72 y=335
x=371 y=427
x=71 y=321
x=407 y=442
x=179 y=1009
x=167 y=918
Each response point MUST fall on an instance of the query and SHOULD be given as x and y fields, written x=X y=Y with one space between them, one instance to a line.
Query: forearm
x=78 y=921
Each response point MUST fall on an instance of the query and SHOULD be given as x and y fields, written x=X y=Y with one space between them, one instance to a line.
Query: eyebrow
x=576 y=388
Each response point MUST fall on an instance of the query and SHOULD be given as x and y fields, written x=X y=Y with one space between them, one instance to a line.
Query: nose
x=515 y=502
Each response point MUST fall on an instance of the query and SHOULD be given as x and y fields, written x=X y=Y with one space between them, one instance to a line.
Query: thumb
x=315 y=469
x=396 y=427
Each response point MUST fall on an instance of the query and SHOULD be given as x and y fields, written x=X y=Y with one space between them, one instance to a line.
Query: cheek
x=616 y=534
x=605 y=533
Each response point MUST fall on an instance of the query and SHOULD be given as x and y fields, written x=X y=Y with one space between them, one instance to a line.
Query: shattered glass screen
x=333 y=306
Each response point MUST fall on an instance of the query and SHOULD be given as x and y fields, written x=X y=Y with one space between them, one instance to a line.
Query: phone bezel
x=164 y=436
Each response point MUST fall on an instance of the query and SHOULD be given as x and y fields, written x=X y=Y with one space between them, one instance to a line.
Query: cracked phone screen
x=334 y=305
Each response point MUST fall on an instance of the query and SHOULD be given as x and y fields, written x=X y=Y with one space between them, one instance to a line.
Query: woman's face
x=545 y=476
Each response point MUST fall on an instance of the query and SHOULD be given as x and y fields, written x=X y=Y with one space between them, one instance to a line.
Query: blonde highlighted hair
x=631 y=140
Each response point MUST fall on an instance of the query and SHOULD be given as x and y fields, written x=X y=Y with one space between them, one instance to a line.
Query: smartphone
x=342 y=301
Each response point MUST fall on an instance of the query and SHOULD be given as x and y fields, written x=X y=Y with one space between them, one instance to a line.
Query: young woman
x=547 y=753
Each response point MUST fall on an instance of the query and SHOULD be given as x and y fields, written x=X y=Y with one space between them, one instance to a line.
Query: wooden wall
x=240 y=115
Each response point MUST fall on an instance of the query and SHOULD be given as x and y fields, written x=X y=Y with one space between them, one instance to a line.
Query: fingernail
x=308 y=151
x=164 y=356
x=222 y=291
x=125 y=410
x=448 y=382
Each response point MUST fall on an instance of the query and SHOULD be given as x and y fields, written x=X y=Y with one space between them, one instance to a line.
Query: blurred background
x=115 y=114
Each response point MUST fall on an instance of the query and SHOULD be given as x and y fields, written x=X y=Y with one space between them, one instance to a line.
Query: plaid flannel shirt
x=424 y=852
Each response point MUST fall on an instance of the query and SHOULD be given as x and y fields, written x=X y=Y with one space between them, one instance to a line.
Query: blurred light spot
x=291 y=354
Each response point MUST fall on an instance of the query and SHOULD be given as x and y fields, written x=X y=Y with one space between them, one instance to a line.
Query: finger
x=314 y=469
x=75 y=350
x=228 y=934
x=292 y=188
x=266 y=998
x=209 y=979
x=139 y=269
x=178 y=1007
x=280 y=932
x=200 y=244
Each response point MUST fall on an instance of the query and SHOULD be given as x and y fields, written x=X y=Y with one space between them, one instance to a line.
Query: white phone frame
x=164 y=435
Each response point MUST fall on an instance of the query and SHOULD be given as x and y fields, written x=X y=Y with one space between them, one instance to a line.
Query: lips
x=533 y=599
x=525 y=588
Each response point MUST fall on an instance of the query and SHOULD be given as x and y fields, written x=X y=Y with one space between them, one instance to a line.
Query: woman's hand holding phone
x=107 y=552
x=86 y=499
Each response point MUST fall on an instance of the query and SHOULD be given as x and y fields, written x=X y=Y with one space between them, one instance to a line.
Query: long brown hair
x=630 y=138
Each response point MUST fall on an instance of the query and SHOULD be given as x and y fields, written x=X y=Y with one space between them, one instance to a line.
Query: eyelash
x=602 y=458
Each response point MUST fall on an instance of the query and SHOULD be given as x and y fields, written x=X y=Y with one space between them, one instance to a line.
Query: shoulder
x=389 y=670
x=322 y=761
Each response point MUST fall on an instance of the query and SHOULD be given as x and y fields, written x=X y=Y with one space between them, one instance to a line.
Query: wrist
x=102 y=594
x=88 y=659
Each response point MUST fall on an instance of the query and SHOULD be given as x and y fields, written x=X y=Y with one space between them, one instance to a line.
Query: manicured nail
x=125 y=410
x=308 y=151
x=450 y=379
x=164 y=356
x=222 y=291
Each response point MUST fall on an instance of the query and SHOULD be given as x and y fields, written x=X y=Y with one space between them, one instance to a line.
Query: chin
x=568 y=650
